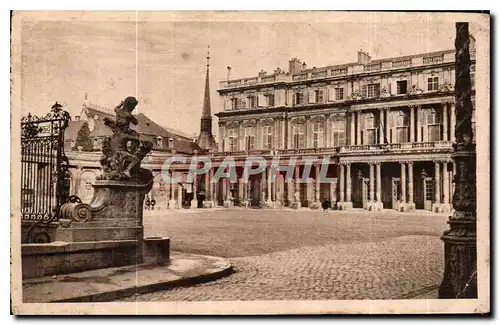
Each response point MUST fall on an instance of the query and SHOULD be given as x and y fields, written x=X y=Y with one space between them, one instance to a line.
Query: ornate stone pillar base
x=228 y=203
x=315 y=205
x=296 y=205
x=345 y=205
x=207 y=204
x=268 y=204
x=377 y=206
x=172 y=205
x=411 y=206
x=436 y=207
x=194 y=204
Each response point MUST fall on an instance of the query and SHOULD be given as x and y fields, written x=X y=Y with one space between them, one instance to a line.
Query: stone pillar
x=241 y=191
x=333 y=197
x=403 y=206
x=213 y=189
x=316 y=204
x=179 y=196
x=417 y=127
x=207 y=202
x=172 y=204
x=372 y=183
x=378 y=204
x=445 y=206
x=341 y=186
x=452 y=121
x=358 y=131
x=348 y=187
x=194 y=201
x=380 y=128
x=445 y=122
x=296 y=204
x=290 y=192
x=411 y=203
x=269 y=188
x=436 y=206
x=352 y=139
x=412 y=123
x=460 y=242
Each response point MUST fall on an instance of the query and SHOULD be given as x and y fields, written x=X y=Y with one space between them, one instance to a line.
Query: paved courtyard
x=306 y=254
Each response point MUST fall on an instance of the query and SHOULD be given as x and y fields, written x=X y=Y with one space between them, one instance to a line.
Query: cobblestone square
x=314 y=255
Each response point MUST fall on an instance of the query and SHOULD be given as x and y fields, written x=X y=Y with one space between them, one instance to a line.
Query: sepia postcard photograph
x=250 y=162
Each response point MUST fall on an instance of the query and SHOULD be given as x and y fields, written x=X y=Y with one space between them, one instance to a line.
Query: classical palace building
x=387 y=126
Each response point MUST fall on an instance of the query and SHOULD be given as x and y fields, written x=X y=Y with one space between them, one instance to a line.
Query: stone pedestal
x=208 y=204
x=172 y=204
x=377 y=206
x=194 y=204
x=296 y=205
x=315 y=205
x=345 y=205
x=228 y=203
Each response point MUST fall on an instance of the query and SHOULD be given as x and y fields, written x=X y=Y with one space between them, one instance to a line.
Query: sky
x=160 y=58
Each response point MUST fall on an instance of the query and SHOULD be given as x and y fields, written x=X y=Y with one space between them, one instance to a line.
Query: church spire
x=206 y=139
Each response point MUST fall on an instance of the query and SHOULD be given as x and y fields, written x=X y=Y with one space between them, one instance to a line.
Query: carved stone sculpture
x=124 y=151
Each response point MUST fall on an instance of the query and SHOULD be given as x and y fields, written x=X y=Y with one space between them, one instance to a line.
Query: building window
x=370 y=131
x=299 y=98
x=338 y=133
x=250 y=138
x=299 y=136
x=401 y=126
x=234 y=103
x=267 y=137
x=402 y=87
x=159 y=142
x=252 y=101
x=270 y=100
x=170 y=143
x=433 y=121
x=339 y=93
x=370 y=90
x=433 y=83
x=232 y=139
x=318 y=131
x=319 y=96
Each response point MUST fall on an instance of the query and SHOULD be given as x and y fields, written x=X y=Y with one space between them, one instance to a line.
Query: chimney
x=294 y=66
x=363 y=57
x=304 y=66
x=262 y=73
x=77 y=117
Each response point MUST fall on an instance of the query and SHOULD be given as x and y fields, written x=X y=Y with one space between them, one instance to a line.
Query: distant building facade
x=387 y=125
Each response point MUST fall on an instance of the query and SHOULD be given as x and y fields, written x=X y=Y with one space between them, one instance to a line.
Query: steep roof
x=71 y=131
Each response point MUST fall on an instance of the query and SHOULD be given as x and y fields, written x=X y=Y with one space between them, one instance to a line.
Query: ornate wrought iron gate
x=44 y=171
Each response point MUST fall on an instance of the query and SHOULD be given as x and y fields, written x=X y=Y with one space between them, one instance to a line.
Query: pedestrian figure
x=153 y=202
x=147 y=203
x=325 y=205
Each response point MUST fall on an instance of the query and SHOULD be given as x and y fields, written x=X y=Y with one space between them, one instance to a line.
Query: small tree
x=83 y=138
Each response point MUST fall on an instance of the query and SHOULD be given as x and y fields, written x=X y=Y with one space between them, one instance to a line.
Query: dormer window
x=170 y=143
x=159 y=142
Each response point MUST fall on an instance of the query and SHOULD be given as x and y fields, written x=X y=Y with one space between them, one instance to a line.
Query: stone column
x=445 y=122
x=296 y=204
x=348 y=179
x=317 y=181
x=352 y=139
x=417 y=127
x=412 y=123
x=179 y=196
x=333 y=198
x=446 y=189
x=194 y=201
x=379 y=204
x=381 y=129
x=341 y=189
x=452 y=121
x=436 y=206
x=411 y=203
x=372 y=183
x=213 y=189
x=358 y=131
x=403 y=186
x=269 y=186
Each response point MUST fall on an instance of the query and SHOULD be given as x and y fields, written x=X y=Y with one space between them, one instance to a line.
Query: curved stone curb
x=179 y=272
